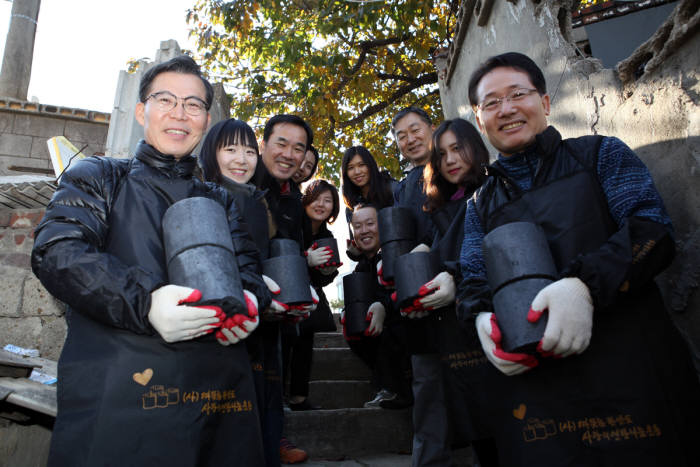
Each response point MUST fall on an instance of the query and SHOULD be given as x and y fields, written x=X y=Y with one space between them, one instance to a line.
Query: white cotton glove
x=570 y=321
x=421 y=248
x=176 y=322
x=437 y=293
x=375 y=315
x=317 y=257
x=490 y=336
x=237 y=327
x=277 y=310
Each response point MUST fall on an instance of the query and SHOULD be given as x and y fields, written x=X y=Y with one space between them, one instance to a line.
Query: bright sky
x=81 y=45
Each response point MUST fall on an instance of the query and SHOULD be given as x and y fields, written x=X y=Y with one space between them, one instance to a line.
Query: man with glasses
x=610 y=382
x=142 y=379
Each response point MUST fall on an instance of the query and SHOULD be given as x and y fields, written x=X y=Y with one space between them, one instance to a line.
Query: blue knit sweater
x=626 y=182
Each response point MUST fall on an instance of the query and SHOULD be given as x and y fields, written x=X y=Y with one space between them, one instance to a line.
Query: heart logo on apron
x=144 y=377
x=519 y=413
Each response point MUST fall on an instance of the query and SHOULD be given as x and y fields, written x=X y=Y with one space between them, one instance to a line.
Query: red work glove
x=490 y=337
x=176 y=322
x=237 y=327
x=380 y=276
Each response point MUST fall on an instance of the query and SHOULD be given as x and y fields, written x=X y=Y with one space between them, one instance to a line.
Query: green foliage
x=337 y=305
x=345 y=66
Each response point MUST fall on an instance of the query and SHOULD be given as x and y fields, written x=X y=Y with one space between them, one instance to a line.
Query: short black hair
x=292 y=119
x=410 y=110
x=224 y=133
x=181 y=64
x=515 y=60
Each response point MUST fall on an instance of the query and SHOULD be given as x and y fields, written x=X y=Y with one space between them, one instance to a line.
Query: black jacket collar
x=166 y=164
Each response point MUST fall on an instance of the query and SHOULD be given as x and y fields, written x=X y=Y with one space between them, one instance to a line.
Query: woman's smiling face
x=237 y=162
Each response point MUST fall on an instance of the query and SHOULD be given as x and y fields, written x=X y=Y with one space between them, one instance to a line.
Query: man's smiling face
x=511 y=126
x=284 y=150
x=173 y=132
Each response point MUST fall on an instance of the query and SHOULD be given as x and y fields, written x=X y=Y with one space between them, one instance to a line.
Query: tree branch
x=427 y=78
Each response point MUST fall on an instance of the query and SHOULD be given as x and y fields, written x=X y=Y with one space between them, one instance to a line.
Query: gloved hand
x=570 y=322
x=305 y=309
x=413 y=311
x=277 y=310
x=375 y=315
x=380 y=276
x=437 y=293
x=351 y=250
x=317 y=257
x=490 y=337
x=421 y=248
x=237 y=327
x=176 y=322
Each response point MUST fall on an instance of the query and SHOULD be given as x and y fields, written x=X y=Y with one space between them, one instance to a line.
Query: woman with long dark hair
x=455 y=170
x=321 y=207
x=363 y=183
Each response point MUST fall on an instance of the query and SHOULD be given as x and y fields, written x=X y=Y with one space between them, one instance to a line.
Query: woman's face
x=307 y=165
x=358 y=172
x=237 y=162
x=453 y=167
x=321 y=208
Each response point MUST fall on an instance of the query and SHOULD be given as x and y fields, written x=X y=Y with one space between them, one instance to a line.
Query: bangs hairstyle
x=473 y=152
x=313 y=191
x=224 y=133
x=379 y=184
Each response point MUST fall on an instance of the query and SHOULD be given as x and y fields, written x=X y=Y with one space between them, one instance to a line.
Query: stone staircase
x=344 y=429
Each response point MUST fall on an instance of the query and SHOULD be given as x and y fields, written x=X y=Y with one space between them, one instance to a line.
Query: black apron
x=133 y=399
x=622 y=401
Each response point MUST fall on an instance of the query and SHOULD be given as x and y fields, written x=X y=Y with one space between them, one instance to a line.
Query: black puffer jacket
x=80 y=217
x=99 y=249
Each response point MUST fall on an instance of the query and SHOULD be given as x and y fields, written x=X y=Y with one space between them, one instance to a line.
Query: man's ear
x=478 y=120
x=208 y=119
x=546 y=103
x=139 y=113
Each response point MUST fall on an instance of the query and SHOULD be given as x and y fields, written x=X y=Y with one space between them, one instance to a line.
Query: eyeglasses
x=516 y=95
x=167 y=101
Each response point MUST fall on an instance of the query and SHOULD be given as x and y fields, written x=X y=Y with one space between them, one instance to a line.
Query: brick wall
x=29 y=316
x=25 y=127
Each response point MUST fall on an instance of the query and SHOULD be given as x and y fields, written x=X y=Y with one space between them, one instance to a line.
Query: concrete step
x=340 y=394
x=324 y=340
x=338 y=365
x=347 y=433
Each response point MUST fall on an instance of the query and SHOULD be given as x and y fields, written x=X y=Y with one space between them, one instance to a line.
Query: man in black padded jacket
x=142 y=379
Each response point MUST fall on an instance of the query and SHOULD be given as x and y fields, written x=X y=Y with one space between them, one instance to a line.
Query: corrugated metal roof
x=26 y=191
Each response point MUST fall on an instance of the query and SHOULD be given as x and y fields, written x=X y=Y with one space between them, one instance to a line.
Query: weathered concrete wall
x=29 y=316
x=25 y=127
x=657 y=115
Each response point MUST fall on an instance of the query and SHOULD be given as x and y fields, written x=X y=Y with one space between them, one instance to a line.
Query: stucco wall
x=657 y=115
